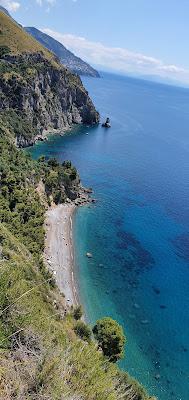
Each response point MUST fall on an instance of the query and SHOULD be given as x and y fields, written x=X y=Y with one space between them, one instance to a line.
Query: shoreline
x=59 y=251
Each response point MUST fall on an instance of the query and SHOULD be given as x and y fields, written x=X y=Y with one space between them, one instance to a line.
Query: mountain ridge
x=67 y=58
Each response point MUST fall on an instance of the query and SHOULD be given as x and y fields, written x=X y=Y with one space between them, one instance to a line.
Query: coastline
x=59 y=252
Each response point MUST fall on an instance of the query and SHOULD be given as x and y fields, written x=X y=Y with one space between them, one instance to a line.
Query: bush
x=52 y=162
x=4 y=50
x=110 y=337
x=77 y=312
x=67 y=164
x=83 y=331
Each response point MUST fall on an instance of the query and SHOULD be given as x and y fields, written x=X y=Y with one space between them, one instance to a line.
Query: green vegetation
x=15 y=40
x=57 y=358
x=77 y=313
x=20 y=206
x=4 y=50
x=17 y=124
x=46 y=351
x=83 y=331
x=110 y=337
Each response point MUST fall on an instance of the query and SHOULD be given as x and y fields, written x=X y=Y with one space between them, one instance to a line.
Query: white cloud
x=10 y=5
x=117 y=58
x=46 y=2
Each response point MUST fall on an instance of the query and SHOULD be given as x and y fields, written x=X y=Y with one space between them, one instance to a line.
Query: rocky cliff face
x=46 y=97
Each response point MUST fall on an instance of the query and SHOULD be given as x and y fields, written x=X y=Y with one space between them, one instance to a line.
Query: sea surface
x=138 y=230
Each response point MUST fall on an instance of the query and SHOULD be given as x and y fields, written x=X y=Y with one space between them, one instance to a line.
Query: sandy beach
x=58 y=253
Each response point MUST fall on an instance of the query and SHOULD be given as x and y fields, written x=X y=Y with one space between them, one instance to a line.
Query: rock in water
x=89 y=255
x=107 y=123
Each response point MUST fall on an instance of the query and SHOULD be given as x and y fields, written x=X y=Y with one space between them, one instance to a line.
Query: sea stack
x=107 y=123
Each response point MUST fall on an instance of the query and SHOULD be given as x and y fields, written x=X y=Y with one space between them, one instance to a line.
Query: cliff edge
x=37 y=93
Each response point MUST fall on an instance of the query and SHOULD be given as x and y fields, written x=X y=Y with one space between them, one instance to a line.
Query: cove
x=138 y=230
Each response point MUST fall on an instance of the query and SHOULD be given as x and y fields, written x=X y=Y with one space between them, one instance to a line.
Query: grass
x=53 y=362
x=41 y=354
x=18 y=41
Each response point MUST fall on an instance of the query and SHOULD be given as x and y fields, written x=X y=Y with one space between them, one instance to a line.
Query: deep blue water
x=138 y=231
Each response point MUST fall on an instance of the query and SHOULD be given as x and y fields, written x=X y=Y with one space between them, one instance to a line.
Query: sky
x=140 y=37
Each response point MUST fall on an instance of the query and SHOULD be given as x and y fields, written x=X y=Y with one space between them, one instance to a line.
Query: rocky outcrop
x=48 y=97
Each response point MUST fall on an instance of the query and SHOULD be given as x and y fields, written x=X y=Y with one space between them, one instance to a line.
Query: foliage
x=83 y=330
x=4 y=50
x=59 y=179
x=18 y=124
x=41 y=355
x=20 y=208
x=110 y=337
x=77 y=312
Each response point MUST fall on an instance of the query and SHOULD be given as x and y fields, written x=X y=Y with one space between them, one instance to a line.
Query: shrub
x=110 y=337
x=67 y=164
x=4 y=50
x=83 y=331
x=77 y=312
x=52 y=162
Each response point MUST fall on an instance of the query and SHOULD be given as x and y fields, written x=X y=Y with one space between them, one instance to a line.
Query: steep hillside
x=17 y=41
x=67 y=58
x=37 y=93
x=44 y=353
x=4 y=10
x=41 y=355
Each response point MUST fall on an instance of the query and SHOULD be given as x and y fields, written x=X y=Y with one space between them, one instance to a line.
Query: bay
x=138 y=231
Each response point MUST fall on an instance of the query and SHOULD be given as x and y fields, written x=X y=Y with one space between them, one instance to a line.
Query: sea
x=138 y=229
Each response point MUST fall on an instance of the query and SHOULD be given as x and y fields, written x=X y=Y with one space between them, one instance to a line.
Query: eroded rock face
x=48 y=97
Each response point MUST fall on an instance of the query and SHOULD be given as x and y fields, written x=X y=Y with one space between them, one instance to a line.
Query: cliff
x=45 y=96
x=37 y=92
x=67 y=58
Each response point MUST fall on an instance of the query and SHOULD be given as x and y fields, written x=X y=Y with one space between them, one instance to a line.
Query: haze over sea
x=138 y=231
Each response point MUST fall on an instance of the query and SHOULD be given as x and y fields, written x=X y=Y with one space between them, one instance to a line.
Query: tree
x=52 y=162
x=77 y=313
x=83 y=331
x=110 y=337
x=67 y=164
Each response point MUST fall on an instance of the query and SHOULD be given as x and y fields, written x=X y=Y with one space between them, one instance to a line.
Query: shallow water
x=138 y=231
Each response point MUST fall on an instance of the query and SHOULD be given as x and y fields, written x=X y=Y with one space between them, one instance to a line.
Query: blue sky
x=135 y=36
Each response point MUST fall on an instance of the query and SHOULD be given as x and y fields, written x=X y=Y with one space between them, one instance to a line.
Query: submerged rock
x=89 y=255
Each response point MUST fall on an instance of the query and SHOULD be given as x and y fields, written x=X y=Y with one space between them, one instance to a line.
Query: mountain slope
x=4 y=10
x=41 y=356
x=38 y=93
x=67 y=58
x=14 y=37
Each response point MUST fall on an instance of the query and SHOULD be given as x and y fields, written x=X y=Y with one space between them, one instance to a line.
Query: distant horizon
x=135 y=37
x=146 y=78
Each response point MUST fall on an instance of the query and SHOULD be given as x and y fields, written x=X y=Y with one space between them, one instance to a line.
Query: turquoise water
x=138 y=231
